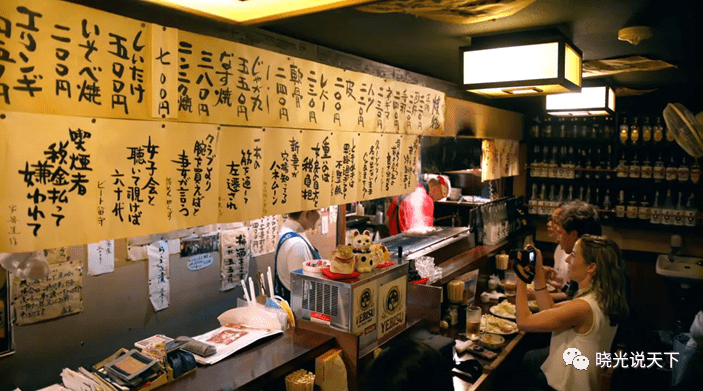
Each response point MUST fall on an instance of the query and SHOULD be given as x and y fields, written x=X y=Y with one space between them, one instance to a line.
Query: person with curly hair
x=587 y=323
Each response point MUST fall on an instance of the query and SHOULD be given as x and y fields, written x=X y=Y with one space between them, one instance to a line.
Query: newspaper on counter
x=229 y=339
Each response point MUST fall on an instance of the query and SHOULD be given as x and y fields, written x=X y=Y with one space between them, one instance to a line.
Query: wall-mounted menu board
x=74 y=180
x=62 y=58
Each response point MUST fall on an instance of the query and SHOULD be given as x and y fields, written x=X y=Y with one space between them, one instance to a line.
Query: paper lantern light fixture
x=590 y=101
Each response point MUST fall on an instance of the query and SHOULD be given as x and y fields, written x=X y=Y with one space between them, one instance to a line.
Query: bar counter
x=257 y=366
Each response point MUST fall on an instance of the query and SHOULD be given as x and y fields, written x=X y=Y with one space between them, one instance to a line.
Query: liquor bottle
x=624 y=132
x=562 y=128
x=646 y=132
x=607 y=128
x=607 y=205
x=598 y=165
x=596 y=197
x=622 y=166
x=532 y=203
x=578 y=166
x=585 y=129
x=658 y=129
x=655 y=210
x=574 y=128
x=668 y=209
x=561 y=168
x=542 y=201
x=635 y=166
x=547 y=128
x=552 y=201
x=679 y=212
x=691 y=212
x=570 y=163
x=671 y=168
x=608 y=175
x=645 y=208
x=536 y=164
x=534 y=131
x=670 y=139
x=587 y=173
x=582 y=193
x=620 y=205
x=560 y=196
x=544 y=173
x=646 y=167
x=659 y=172
x=571 y=193
x=683 y=172
x=695 y=171
x=635 y=132
x=553 y=171
x=632 y=206
x=589 y=195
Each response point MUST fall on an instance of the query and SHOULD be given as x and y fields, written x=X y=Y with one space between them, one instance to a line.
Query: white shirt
x=561 y=266
x=293 y=252
x=596 y=340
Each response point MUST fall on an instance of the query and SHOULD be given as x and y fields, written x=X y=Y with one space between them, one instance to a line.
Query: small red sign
x=320 y=318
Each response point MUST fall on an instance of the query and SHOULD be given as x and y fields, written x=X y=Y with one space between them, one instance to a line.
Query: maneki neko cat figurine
x=361 y=241
x=366 y=260
x=342 y=260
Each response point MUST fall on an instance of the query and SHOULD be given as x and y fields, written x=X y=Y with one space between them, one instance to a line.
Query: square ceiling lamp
x=590 y=101
x=247 y=12
x=529 y=63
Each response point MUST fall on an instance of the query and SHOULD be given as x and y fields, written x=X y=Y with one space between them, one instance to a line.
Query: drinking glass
x=473 y=322
x=510 y=284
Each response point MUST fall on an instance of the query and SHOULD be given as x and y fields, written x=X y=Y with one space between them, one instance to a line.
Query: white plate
x=493 y=311
x=496 y=330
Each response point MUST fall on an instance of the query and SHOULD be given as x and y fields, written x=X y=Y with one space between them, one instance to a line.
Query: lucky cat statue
x=365 y=262
x=362 y=241
x=383 y=254
x=342 y=260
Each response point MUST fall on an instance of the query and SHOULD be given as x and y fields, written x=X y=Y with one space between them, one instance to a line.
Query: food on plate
x=504 y=309
x=491 y=341
x=495 y=325
x=315 y=266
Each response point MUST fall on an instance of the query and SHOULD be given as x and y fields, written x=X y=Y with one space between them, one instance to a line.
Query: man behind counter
x=293 y=249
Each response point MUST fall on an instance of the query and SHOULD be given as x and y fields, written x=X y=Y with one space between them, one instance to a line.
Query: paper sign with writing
x=282 y=182
x=131 y=178
x=159 y=280
x=343 y=179
x=63 y=58
x=316 y=160
x=200 y=261
x=242 y=170
x=236 y=255
x=263 y=234
x=369 y=172
x=101 y=257
x=164 y=59
x=409 y=159
x=192 y=174
x=58 y=294
x=48 y=169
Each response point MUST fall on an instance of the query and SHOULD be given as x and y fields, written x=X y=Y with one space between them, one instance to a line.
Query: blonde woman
x=587 y=323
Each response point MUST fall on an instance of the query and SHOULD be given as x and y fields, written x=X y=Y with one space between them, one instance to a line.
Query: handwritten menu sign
x=241 y=173
x=369 y=173
x=344 y=165
x=316 y=159
x=159 y=280
x=58 y=294
x=101 y=257
x=282 y=184
x=63 y=58
x=236 y=255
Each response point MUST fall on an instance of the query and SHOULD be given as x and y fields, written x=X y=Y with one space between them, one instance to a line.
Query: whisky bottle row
x=668 y=206
x=632 y=133
x=593 y=128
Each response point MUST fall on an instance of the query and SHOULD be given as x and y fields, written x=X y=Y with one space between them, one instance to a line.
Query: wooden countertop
x=257 y=365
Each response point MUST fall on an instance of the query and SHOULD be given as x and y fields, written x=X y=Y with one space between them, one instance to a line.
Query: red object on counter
x=336 y=276
x=382 y=265
x=421 y=281
x=416 y=209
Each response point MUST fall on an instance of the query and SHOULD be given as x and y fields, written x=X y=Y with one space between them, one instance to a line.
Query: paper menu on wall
x=101 y=257
x=229 y=339
x=159 y=280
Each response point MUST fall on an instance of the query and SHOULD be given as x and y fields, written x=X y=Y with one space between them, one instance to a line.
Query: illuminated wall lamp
x=590 y=101
x=522 y=64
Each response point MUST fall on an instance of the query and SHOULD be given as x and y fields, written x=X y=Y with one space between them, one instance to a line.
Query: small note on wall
x=101 y=257
x=54 y=296
x=159 y=282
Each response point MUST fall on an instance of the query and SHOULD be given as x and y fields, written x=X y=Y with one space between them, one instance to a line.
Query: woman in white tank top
x=584 y=326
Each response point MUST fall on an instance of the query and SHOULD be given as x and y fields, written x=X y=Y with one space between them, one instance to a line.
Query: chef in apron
x=293 y=249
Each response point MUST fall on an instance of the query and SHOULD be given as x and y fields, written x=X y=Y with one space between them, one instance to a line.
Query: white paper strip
x=159 y=285
x=101 y=257
x=235 y=255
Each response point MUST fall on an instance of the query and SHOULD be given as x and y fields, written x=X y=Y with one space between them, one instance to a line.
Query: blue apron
x=278 y=287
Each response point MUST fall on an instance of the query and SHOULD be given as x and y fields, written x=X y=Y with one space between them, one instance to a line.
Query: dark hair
x=581 y=217
x=408 y=365
x=295 y=215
